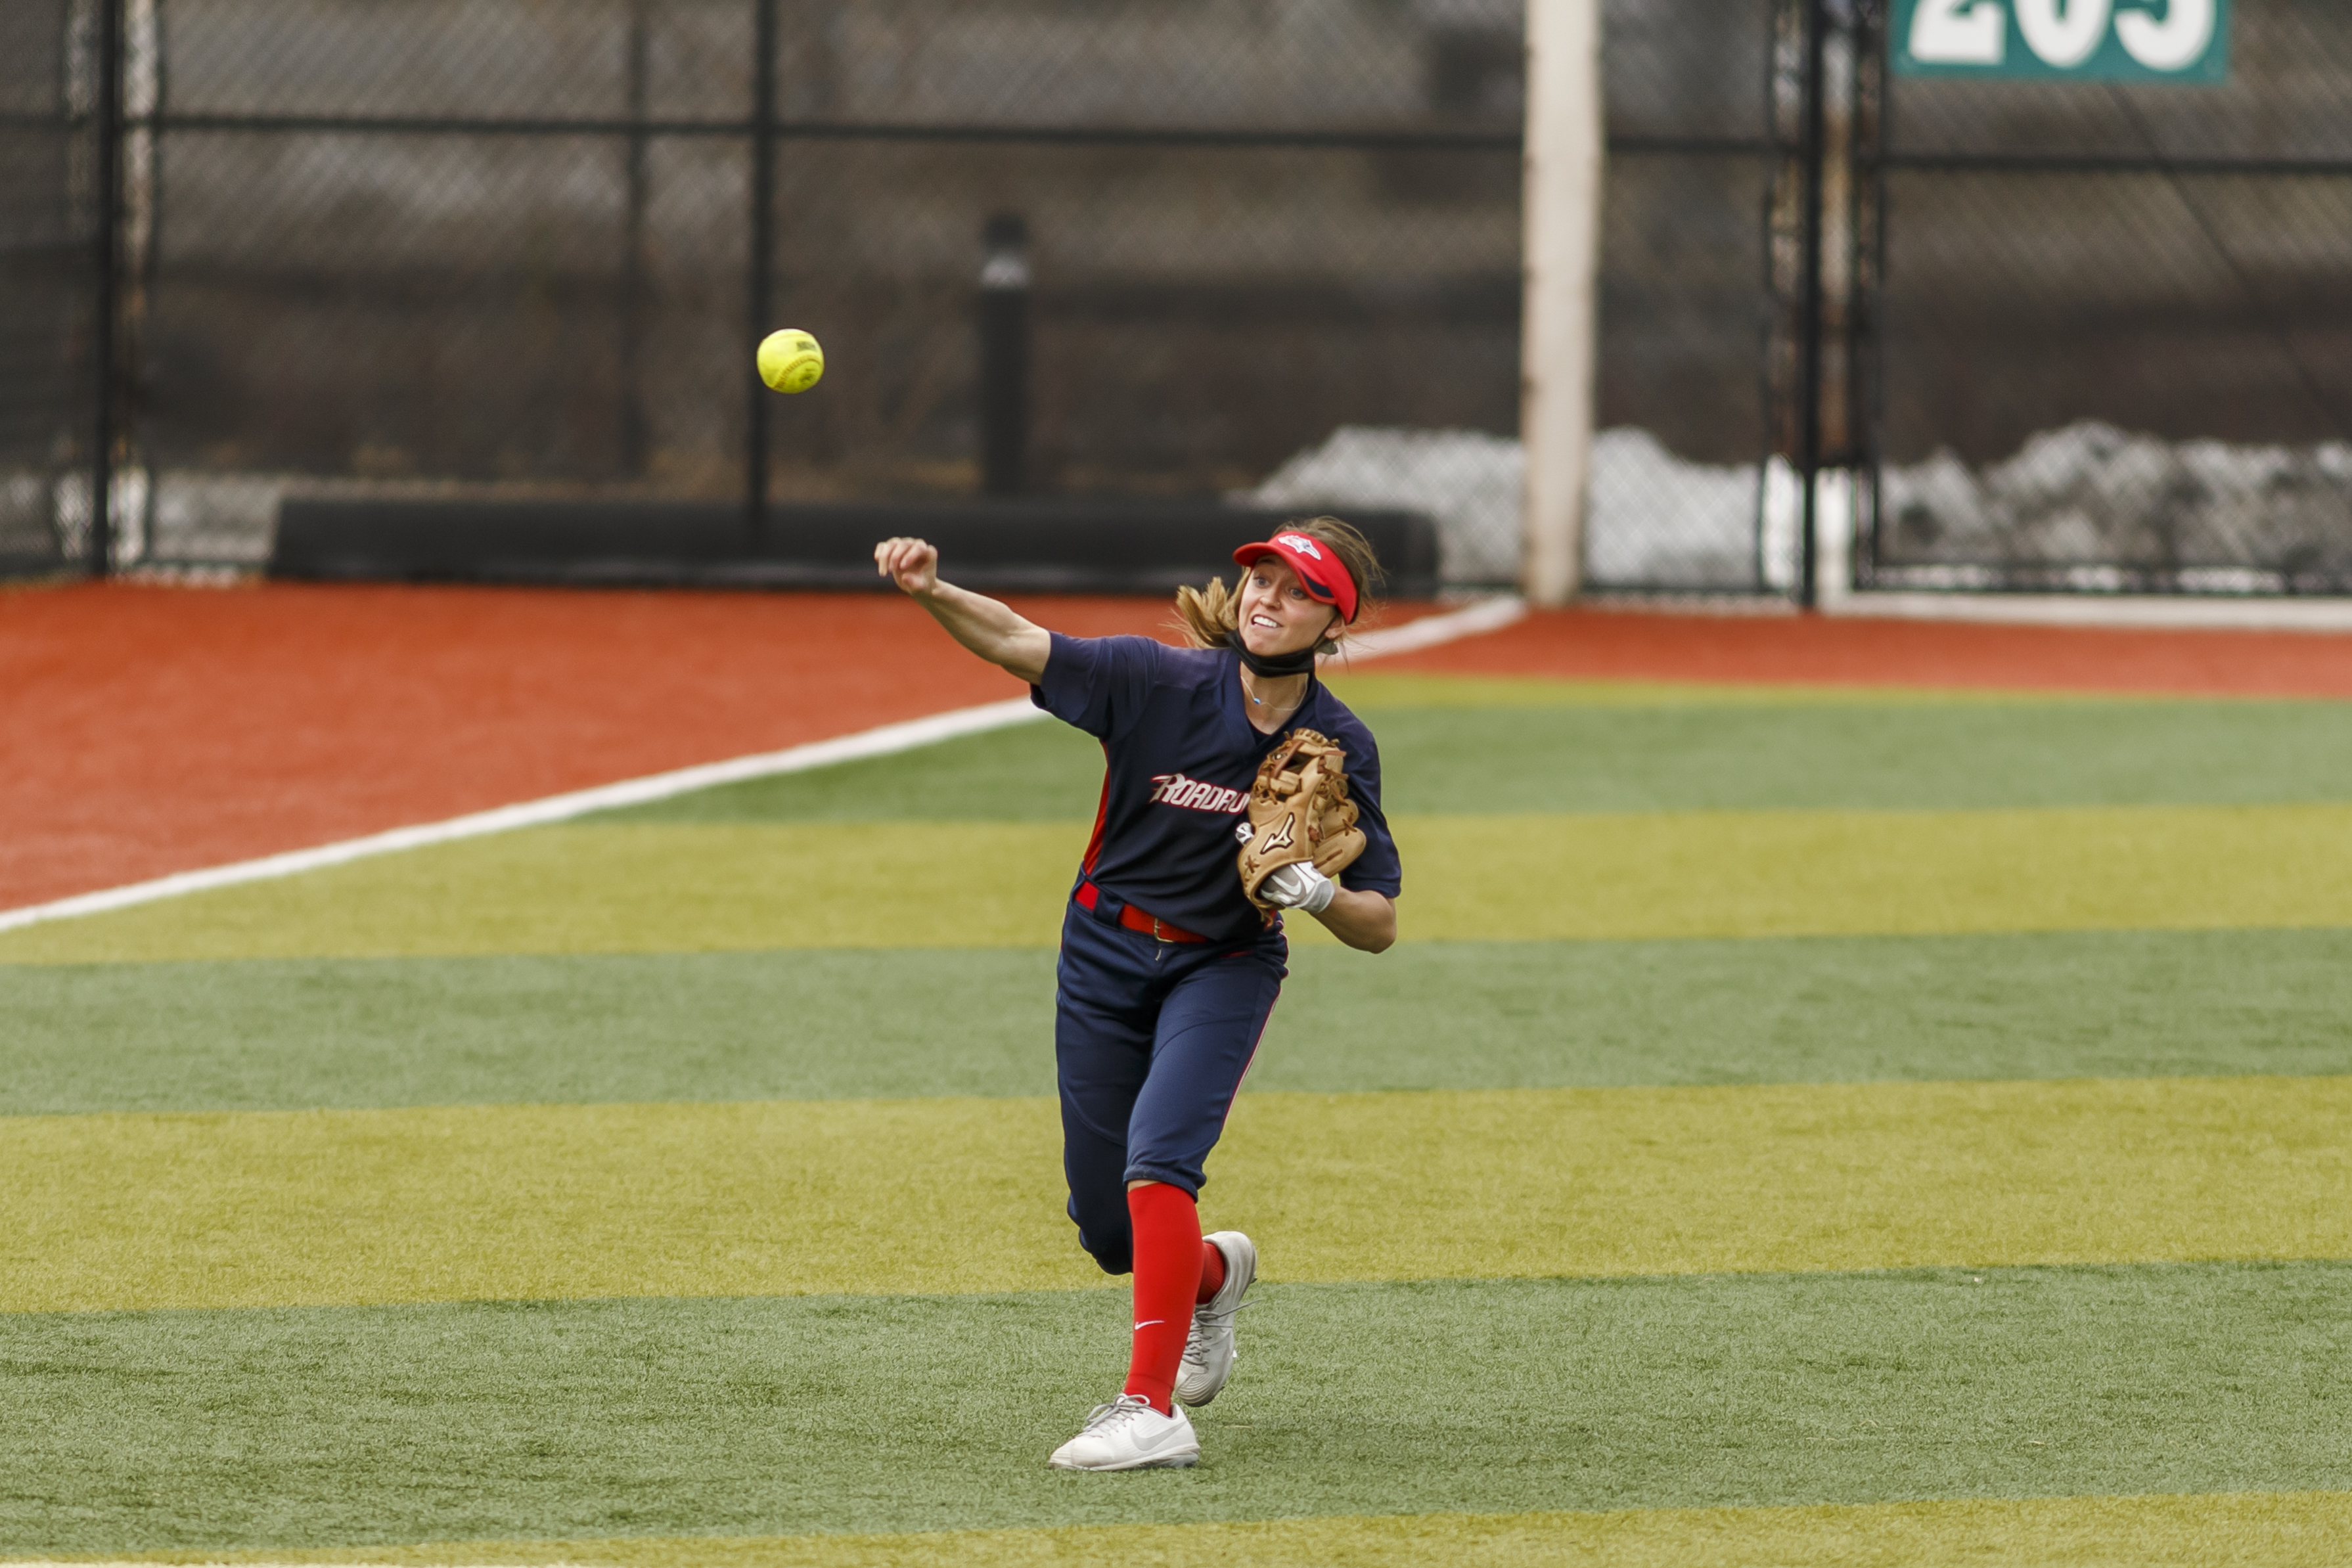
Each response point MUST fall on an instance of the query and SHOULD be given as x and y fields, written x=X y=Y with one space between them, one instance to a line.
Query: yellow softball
x=790 y=360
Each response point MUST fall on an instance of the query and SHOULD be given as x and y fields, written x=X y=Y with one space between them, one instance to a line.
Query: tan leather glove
x=1299 y=813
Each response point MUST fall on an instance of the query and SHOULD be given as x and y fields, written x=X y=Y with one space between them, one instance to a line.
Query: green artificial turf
x=2308 y=1529
x=272 y=1034
x=703 y=887
x=1906 y=756
x=315 y=1427
x=945 y=1196
x=1366 y=690
x=1815 y=1009
x=1042 y=772
x=814 y=1024
x=1677 y=757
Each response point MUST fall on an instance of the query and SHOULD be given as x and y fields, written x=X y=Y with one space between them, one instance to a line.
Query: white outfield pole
x=1561 y=220
x=1428 y=631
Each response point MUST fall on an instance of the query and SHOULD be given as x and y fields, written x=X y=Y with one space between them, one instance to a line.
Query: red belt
x=1134 y=919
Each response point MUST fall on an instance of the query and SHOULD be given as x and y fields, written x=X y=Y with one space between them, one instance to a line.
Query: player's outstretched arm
x=989 y=629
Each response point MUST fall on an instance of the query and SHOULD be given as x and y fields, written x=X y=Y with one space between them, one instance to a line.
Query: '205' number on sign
x=2062 y=34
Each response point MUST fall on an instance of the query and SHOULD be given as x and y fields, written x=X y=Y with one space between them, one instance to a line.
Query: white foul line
x=1429 y=630
x=1471 y=621
x=879 y=742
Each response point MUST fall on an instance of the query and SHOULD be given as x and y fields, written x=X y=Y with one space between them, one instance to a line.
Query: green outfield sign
x=2080 y=40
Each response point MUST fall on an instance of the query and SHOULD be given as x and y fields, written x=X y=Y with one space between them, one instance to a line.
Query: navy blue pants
x=1150 y=1040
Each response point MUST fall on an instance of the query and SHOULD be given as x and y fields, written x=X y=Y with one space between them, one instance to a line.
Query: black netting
x=1236 y=64
x=1686 y=297
x=464 y=61
x=48 y=163
x=1199 y=314
x=2116 y=325
x=2289 y=95
x=439 y=307
x=2056 y=333
x=457 y=247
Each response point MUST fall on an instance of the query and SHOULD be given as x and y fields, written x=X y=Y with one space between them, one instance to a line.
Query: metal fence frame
x=1826 y=155
x=1876 y=158
x=63 y=226
x=765 y=131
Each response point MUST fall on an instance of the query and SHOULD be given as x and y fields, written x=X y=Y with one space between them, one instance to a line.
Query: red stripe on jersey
x=1102 y=814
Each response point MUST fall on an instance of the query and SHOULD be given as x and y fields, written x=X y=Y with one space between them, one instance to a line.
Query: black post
x=633 y=250
x=1869 y=376
x=1809 y=454
x=763 y=245
x=107 y=136
x=1005 y=355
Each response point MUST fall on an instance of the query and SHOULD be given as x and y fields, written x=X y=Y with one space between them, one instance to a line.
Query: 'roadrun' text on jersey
x=1179 y=755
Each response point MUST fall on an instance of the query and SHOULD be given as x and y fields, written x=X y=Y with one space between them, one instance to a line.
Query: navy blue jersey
x=1179 y=756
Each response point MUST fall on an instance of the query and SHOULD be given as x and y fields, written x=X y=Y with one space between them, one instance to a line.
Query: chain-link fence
x=51 y=162
x=2116 y=328
x=480 y=247
x=2047 y=334
x=449 y=248
x=1693 y=92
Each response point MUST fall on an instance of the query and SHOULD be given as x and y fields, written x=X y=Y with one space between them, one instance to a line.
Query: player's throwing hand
x=912 y=564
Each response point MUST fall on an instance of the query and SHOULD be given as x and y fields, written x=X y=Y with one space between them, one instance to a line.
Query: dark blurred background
x=1265 y=248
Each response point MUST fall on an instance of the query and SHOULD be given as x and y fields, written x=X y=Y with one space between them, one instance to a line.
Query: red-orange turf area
x=146 y=730
x=1601 y=645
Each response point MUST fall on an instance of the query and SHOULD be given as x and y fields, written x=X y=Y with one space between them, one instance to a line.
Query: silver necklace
x=1260 y=701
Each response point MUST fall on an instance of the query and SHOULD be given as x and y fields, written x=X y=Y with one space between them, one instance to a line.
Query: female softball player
x=1167 y=971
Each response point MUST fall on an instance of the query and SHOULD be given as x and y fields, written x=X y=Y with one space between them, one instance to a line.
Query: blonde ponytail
x=1205 y=614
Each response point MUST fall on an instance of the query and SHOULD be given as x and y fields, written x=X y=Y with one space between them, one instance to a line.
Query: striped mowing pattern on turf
x=2282 y=1530
x=685 y=888
x=681 y=1185
x=774 y=1415
x=274 y=1208
x=864 y=1023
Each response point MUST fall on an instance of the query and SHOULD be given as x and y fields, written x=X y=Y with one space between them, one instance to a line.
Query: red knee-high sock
x=1167 y=1277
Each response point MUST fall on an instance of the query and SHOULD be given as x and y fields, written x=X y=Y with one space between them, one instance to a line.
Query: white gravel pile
x=2088 y=497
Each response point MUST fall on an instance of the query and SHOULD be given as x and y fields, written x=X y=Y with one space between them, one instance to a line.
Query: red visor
x=1320 y=571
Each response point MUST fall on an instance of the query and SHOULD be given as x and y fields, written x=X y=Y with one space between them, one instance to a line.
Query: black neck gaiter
x=1301 y=663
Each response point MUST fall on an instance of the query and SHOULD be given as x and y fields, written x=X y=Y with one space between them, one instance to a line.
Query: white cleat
x=1127 y=1434
x=1208 y=1348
